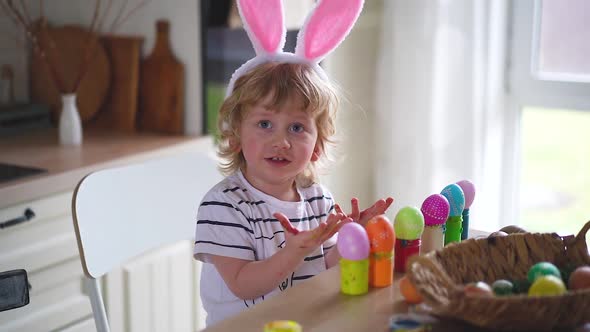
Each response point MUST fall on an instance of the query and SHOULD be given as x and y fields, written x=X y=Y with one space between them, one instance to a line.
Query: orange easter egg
x=381 y=234
x=409 y=291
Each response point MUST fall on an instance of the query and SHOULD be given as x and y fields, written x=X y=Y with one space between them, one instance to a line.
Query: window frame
x=526 y=87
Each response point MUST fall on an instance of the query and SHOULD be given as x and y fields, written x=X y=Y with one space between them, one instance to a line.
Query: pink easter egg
x=435 y=209
x=469 y=191
x=353 y=242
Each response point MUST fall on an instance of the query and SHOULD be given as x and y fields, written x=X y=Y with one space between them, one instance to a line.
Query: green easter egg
x=543 y=269
x=408 y=223
x=547 y=285
x=502 y=287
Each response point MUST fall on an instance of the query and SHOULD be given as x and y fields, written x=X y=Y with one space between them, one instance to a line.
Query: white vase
x=70 y=126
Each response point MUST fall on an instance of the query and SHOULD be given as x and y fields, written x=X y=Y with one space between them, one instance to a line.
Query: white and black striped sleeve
x=223 y=229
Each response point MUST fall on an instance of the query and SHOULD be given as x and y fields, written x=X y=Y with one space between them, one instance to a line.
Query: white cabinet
x=46 y=247
x=155 y=292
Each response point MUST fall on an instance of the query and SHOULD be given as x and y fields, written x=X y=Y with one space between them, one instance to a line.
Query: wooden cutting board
x=161 y=88
x=68 y=51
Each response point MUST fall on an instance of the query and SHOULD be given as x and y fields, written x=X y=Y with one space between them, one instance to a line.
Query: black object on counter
x=20 y=118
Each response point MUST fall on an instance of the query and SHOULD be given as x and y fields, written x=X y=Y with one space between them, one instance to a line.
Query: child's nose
x=280 y=141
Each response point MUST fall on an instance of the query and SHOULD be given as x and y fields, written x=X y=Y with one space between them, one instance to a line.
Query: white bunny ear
x=264 y=23
x=326 y=27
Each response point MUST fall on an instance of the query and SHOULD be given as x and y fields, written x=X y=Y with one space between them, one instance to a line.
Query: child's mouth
x=277 y=161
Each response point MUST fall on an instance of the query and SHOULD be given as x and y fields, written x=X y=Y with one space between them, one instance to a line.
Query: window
x=555 y=164
x=549 y=96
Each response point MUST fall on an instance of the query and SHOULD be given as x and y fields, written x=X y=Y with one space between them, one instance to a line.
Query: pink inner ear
x=265 y=20
x=330 y=23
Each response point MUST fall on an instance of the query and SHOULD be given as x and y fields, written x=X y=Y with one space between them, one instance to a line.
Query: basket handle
x=577 y=249
x=582 y=234
x=431 y=281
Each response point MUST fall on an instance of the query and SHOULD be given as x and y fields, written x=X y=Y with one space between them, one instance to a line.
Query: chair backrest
x=122 y=212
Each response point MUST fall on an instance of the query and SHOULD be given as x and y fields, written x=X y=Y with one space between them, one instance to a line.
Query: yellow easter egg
x=547 y=285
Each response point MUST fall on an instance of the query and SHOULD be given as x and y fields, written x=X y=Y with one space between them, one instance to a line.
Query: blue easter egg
x=454 y=194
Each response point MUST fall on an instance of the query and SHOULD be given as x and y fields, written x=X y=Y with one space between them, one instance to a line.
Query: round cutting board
x=66 y=49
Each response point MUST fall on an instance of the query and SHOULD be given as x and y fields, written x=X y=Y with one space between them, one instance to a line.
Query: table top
x=318 y=305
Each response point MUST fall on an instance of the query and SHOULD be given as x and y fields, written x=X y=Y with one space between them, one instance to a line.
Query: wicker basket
x=439 y=277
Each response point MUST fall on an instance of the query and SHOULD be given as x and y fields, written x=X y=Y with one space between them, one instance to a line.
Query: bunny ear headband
x=324 y=29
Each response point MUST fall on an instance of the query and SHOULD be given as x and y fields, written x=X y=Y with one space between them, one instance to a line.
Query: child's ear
x=317 y=151
x=235 y=145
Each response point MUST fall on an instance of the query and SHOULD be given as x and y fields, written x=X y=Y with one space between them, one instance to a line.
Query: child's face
x=277 y=144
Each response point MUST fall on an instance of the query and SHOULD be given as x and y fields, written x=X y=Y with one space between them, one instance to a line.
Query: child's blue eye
x=265 y=124
x=296 y=127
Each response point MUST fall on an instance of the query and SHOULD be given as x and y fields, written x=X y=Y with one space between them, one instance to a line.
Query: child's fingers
x=354 y=203
x=330 y=232
x=383 y=205
x=388 y=203
x=338 y=209
x=339 y=225
x=286 y=223
x=333 y=220
x=334 y=226
x=376 y=209
x=317 y=233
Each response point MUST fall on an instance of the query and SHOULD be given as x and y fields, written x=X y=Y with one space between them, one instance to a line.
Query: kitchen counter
x=66 y=165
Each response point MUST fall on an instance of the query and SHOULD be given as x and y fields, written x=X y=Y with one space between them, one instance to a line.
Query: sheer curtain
x=440 y=108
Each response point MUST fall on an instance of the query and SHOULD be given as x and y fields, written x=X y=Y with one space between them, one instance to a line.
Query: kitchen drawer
x=45 y=240
x=44 y=208
x=57 y=301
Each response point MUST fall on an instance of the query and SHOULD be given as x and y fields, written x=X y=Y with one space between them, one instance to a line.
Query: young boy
x=269 y=224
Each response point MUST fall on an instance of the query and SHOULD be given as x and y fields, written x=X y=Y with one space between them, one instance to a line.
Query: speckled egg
x=381 y=234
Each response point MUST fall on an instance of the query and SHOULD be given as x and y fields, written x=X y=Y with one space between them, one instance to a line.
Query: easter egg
x=353 y=242
x=521 y=286
x=497 y=233
x=435 y=209
x=282 y=326
x=454 y=194
x=408 y=223
x=542 y=269
x=468 y=190
x=381 y=234
x=502 y=287
x=547 y=285
x=479 y=288
x=580 y=278
x=409 y=291
x=511 y=229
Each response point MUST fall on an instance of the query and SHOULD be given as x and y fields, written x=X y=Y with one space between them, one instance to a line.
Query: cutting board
x=119 y=112
x=161 y=88
x=66 y=47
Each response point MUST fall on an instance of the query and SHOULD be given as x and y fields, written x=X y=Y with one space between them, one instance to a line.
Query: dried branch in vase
x=41 y=41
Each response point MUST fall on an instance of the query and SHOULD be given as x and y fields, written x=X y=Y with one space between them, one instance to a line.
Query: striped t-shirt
x=236 y=220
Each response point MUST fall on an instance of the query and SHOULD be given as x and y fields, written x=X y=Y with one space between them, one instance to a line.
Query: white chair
x=153 y=203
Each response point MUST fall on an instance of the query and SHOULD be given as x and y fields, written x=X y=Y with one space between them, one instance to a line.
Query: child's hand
x=308 y=241
x=364 y=216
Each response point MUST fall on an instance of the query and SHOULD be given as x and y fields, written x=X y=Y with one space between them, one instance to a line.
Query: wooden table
x=318 y=305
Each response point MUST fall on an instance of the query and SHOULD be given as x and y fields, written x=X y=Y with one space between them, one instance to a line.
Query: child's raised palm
x=307 y=241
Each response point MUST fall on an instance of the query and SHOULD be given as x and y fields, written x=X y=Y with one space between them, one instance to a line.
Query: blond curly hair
x=281 y=81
